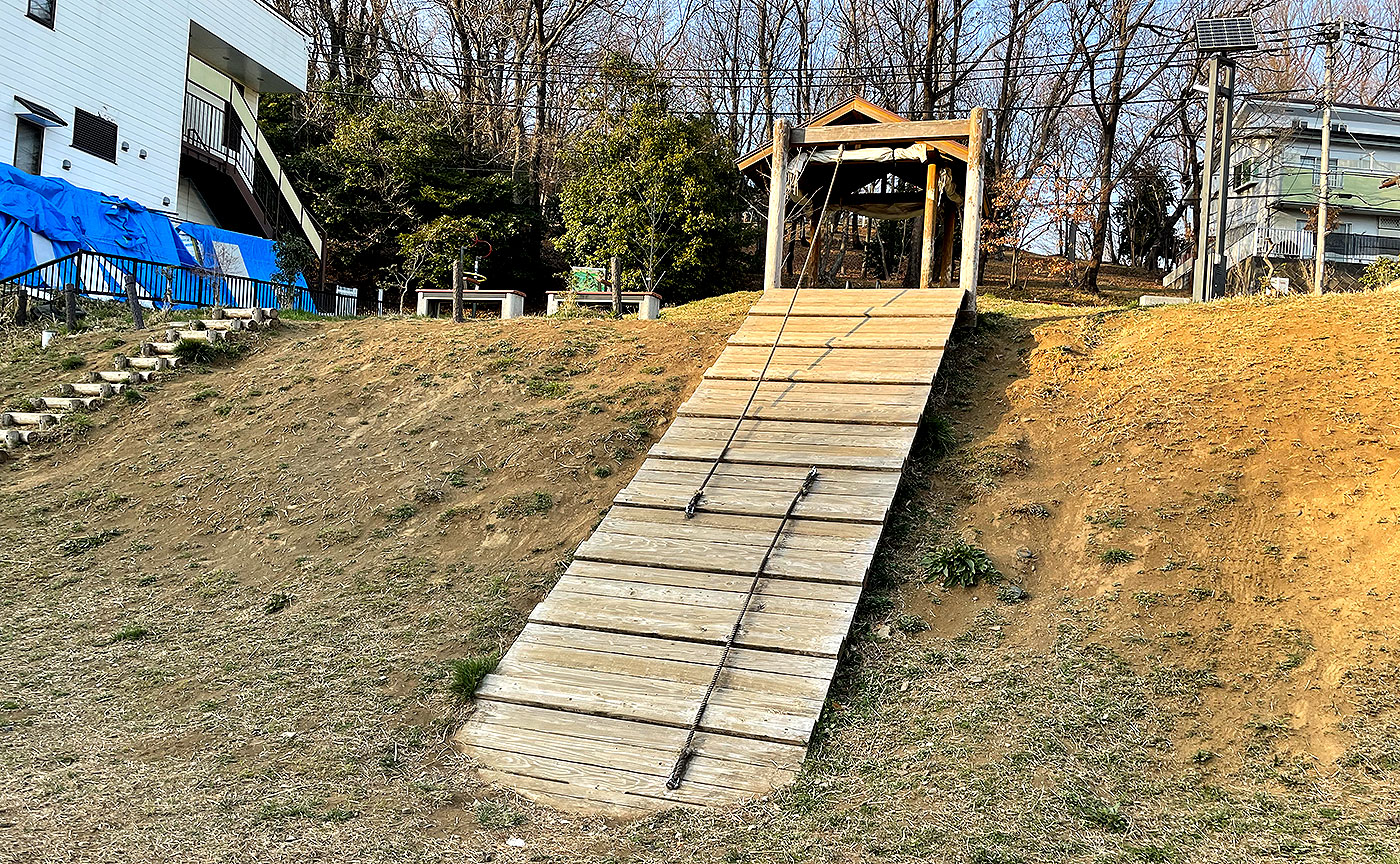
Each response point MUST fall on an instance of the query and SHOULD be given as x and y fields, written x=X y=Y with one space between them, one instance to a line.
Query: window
x=42 y=11
x=92 y=134
x=29 y=146
x=1244 y=173
x=233 y=129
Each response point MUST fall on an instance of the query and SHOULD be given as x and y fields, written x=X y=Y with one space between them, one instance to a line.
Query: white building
x=156 y=101
x=1276 y=167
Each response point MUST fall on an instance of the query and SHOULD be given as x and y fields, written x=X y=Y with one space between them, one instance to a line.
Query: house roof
x=853 y=112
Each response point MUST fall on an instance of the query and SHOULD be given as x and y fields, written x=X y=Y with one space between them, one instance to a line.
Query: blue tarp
x=256 y=257
x=46 y=218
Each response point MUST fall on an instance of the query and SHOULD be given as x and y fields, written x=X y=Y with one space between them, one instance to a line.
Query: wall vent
x=92 y=134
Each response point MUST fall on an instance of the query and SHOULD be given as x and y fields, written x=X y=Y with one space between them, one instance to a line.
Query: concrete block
x=1161 y=300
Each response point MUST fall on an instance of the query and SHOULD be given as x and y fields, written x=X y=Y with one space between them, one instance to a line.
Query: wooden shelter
x=845 y=159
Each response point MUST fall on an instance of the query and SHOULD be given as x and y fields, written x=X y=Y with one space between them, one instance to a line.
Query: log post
x=928 y=261
x=70 y=304
x=950 y=237
x=972 y=207
x=22 y=307
x=138 y=319
x=811 y=271
x=615 y=282
x=777 y=207
x=457 y=290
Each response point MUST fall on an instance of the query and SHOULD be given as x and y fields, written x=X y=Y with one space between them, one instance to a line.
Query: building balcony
x=1339 y=247
x=1347 y=190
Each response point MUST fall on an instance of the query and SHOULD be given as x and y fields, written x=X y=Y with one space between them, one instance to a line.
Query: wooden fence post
x=615 y=280
x=70 y=302
x=457 y=290
x=138 y=319
x=22 y=307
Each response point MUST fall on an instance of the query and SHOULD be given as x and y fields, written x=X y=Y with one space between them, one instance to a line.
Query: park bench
x=647 y=303
x=437 y=302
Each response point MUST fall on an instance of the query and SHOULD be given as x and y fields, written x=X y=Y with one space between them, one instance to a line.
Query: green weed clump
x=518 y=506
x=401 y=513
x=79 y=545
x=467 y=673
x=939 y=436
x=1114 y=557
x=131 y=633
x=72 y=361
x=960 y=565
x=209 y=353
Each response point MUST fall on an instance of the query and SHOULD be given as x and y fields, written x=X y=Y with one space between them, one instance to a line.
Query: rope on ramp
x=687 y=751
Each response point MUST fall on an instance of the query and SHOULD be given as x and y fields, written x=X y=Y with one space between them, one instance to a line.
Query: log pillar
x=928 y=259
x=950 y=237
x=777 y=207
x=972 y=208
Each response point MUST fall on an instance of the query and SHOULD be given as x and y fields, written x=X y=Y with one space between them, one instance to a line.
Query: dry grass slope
x=232 y=616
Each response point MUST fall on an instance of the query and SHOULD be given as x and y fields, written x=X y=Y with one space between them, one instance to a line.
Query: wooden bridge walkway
x=591 y=706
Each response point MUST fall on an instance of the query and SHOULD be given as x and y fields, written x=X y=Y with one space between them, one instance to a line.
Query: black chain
x=687 y=749
x=694 y=501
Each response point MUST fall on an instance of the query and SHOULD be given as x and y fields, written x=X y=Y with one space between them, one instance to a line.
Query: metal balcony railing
x=1302 y=243
x=208 y=130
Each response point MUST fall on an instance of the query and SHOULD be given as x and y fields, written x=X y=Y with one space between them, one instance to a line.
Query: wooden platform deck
x=592 y=704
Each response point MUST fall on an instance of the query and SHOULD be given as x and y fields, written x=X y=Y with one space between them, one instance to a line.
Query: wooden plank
x=606 y=730
x=827 y=365
x=812 y=438
x=615 y=786
x=815 y=566
x=860 y=302
x=753 y=502
x=890 y=459
x=887 y=404
x=887 y=133
x=765 y=603
x=776 y=478
x=755 y=530
x=654 y=762
x=663 y=671
x=768 y=624
x=737 y=533
x=638 y=645
x=843 y=332
x=735 y=707
x=569 y=797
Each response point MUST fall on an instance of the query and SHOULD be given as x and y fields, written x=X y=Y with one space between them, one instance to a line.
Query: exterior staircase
x=221 y=130
x=47 y=414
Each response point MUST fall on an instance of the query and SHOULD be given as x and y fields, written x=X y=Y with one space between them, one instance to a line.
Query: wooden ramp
x=592 y=705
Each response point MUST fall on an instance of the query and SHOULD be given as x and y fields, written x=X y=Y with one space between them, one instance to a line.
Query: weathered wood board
x=591 y=706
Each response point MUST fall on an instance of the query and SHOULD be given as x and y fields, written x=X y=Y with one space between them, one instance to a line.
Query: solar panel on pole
x=1221 y=35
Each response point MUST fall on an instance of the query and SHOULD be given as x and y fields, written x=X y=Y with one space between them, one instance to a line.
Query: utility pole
x=1331 y=35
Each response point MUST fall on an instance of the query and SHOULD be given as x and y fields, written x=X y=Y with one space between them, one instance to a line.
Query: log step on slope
x=591 y=706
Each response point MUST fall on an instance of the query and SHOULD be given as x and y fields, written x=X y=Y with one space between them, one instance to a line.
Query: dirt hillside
x=232 y=609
